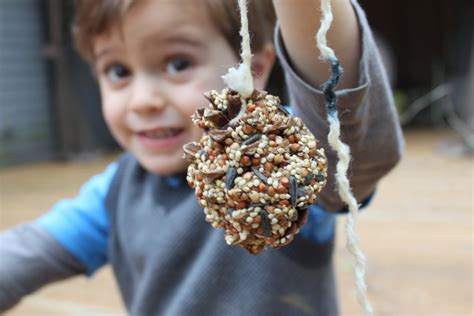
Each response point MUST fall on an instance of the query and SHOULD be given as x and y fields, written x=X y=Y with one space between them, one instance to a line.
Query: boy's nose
x=147 y=96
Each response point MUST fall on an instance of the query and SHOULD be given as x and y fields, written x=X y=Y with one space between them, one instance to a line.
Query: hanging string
x=343 y=154
x=240 y=79
x=244 y=33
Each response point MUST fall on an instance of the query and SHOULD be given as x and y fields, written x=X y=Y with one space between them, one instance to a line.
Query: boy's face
x=152 y=72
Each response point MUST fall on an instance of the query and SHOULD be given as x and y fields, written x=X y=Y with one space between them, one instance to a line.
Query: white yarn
x=344 y=190
x=240 y=79
x=321 y=42
x=344 y=157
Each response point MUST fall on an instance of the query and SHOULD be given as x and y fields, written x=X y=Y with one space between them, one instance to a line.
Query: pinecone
x=255 y=170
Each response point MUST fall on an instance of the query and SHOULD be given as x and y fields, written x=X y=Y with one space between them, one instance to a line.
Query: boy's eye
x=117 y=72
x=177 y=64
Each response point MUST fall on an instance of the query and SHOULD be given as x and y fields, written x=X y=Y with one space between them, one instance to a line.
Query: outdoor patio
x=417 y=235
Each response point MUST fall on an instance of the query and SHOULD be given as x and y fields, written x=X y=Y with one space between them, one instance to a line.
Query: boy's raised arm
x=299 y=22
x=369 y=124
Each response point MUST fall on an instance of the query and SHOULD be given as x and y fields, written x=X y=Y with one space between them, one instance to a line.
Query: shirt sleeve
x=369 y=122
x=80 y=225
x=29 y=259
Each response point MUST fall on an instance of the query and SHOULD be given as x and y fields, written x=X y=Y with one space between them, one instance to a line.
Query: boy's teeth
x=164 y=133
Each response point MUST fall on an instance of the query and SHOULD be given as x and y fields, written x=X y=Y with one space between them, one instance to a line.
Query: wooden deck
x=417 y=235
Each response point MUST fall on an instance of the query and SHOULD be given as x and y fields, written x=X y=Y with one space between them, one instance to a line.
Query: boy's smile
x=153 y=69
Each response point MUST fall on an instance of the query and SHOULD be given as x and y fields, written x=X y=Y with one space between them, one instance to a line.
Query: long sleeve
x=80 y=224
x=31 y=258
x=369 y=123
x=68 y=240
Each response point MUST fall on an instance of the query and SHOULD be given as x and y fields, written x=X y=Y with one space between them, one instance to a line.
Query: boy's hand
x=299 y=22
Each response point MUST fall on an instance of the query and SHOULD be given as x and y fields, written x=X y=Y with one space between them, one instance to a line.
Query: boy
x=153 y=60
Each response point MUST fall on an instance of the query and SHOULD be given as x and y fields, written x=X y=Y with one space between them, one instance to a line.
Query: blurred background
x=418 y=232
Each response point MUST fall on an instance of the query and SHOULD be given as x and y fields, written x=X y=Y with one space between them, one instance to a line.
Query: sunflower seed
x=259 y=175
x=293 y=190
x=252 y=139
x=282 y=108
x=230 y=176
x=255 y=205
x=265 y=223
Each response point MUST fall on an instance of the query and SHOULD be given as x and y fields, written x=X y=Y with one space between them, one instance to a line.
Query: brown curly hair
x=96 y=17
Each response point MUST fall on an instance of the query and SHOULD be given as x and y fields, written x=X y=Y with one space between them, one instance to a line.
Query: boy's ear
x=262 y=64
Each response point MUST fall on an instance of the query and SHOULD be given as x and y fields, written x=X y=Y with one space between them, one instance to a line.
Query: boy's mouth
x=161 y=133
